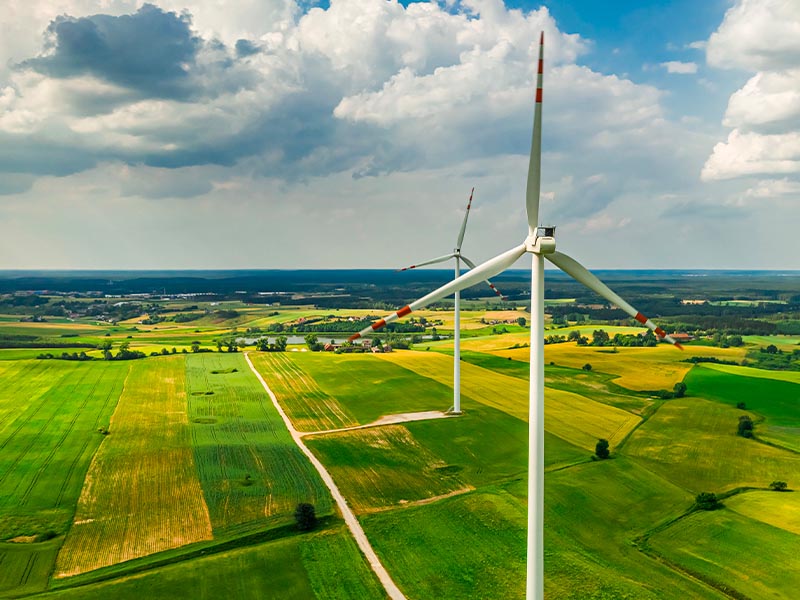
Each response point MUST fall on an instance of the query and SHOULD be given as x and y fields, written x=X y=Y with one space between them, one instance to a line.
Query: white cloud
x=682 y=68
x=762 y=36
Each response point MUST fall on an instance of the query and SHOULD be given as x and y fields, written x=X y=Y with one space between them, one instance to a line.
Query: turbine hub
x=543 y=242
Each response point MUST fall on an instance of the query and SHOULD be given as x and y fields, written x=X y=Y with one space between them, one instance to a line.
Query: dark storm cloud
x=150 y=51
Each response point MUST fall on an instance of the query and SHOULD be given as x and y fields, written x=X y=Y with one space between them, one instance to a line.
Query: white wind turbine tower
x=541 y=244
x=456 y=253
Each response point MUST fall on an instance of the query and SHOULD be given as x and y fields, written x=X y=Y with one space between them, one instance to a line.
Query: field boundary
x=350 y=519
x=396 y=419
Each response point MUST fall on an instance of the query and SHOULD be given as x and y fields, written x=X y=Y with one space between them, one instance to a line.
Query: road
x=349 y=518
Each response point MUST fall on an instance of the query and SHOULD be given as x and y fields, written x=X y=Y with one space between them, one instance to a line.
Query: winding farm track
x=350 y=519
x=387 y=420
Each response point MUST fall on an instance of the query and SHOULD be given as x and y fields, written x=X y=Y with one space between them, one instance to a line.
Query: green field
x=727 y=549
x=249 y=466
x=325 y=565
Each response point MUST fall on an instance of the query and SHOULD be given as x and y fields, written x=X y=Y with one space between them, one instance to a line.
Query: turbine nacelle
x=542 y=242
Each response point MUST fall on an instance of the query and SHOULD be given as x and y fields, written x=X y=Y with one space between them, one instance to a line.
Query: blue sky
x=278 y=134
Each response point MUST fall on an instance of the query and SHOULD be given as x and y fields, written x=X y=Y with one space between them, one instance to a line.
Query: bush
x=741 y=405
x=778 y=486
x=305 y=516
x=601 y=449
x=587 y=367
x=707 y=501
x=745 y=428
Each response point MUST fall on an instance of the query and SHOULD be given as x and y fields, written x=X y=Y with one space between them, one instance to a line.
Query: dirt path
x=387 y=420
x=352 y=523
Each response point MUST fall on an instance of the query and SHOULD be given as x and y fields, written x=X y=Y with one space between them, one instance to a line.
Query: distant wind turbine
x=541 y=244
x=456 y=253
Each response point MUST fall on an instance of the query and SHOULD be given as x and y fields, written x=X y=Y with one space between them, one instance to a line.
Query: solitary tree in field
x=521 y=321
x=587 y=367
x=305 y=516
x=707 y=501
x=778 y=486
x=601 y=449
x=745 y=428
x=679 y=389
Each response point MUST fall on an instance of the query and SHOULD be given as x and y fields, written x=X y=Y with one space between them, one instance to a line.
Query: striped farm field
x=250 y=469
x=141 y=494
x=308 y=407
x=575 y=418
x=636 y=368
x=756 y=560
x=381 y=467
x=364 y=387
x=691 y=442
x=779 y=509
x=49 y=415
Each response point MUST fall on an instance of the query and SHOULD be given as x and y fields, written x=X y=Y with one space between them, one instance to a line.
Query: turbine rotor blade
x=490 y=268
x=582 y=275
x=471 y=265
x=535 y=164
x=432 y=261
x=464 y=224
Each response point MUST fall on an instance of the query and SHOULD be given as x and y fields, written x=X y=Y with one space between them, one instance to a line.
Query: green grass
x=693 y=443
x=49 y=415
x=320 y=565
x=237 y=432
x=380 y=467
x=774 y=400
x=25 y=568
x=754 y=559
x=592 y=514
x=470 y=546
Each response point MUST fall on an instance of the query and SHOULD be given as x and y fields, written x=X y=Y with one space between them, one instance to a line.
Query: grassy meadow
x=175 y=475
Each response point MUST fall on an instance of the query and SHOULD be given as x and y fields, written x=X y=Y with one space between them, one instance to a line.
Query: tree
x=195 y=346
x=280 y=343
x=600 y=337
x=741 y=405
x=745 y=428
x=679 y=389
x=601 y=449
x=574 y=335
x=521 y=321
x=707 y=501
x=778 y=486
x=305 y=516
x=587 y=367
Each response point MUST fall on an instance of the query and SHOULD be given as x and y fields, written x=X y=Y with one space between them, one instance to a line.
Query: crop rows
x=308 y=407
x=141 y=494
x=48 y=439
x=250 y=468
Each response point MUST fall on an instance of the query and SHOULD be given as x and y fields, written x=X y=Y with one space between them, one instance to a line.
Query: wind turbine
x=456 y=253
x=541 y=244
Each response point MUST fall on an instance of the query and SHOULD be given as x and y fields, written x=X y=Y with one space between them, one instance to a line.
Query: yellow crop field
x=790 y=376
x=582 y=421
x=308 y=407
x=568 y=415
x=778 y=509
x=637 y=368
x=141 y=494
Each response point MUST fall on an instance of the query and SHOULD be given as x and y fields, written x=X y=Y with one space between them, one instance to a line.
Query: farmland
x=174 y=475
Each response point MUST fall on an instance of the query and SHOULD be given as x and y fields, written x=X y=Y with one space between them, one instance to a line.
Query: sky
x=286 y=134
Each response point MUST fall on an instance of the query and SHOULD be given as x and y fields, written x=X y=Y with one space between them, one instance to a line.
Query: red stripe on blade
x=541 y=39
x=379 y=324
x=678 y=346
x=541 y=66
x=406 y=310
x=354 y=337
x=641 y=318
x=539 y=95
x=661 y=332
